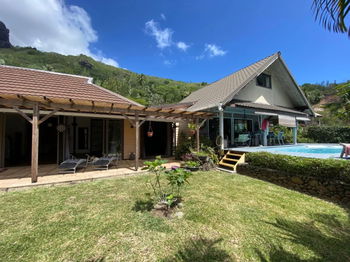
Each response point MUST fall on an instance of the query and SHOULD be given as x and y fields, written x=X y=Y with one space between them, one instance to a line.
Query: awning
x=303 y=118
x=265 y=113
x=288 y=121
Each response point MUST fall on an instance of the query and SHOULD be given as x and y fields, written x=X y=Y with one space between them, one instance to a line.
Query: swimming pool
x=304 y=150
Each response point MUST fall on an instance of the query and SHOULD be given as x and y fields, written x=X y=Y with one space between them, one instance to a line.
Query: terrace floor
x=19 y=177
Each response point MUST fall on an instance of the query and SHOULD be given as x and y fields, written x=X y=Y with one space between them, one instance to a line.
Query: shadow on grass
x=201 y=249
x=143 y=205
x=99 y=259
x=326 y=237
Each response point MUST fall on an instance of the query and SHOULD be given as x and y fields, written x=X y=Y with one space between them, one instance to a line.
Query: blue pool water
x=303 y=150
x=310 y=149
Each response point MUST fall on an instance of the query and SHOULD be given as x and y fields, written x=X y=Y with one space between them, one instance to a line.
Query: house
x=45 y=117
x=245 y=100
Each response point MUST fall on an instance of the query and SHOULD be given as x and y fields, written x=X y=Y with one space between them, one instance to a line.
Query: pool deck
x=274 y=150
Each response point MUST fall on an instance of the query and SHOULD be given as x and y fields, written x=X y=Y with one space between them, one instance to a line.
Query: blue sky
x=220 y=37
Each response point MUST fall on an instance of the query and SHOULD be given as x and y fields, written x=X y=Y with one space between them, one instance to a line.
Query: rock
x=297 y=180
x=4 y=36
x=313 y=183
x=331 y=188
x=180 y=205
x=85 y=64
x=160 y=206
x=178 y=214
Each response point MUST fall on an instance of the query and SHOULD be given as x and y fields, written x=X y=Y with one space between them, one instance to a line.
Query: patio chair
x=243 y=139
x=280 y=138
x=103 y=163
x=271 y=137
x=345 y=151
x=71 y=165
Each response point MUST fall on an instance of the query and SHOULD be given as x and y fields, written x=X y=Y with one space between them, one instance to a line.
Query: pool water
x=303 y=150
x=310 y=149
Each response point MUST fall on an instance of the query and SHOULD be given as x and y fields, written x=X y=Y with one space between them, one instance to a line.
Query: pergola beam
x=85 y=108
x=19 y=111
x=47 y=116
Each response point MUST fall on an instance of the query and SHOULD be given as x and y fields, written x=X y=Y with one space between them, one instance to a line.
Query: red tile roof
x=31 y=82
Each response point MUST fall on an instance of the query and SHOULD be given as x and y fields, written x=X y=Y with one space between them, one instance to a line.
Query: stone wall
x=327 y=189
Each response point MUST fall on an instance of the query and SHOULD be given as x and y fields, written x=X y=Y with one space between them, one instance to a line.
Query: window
x=264 y=80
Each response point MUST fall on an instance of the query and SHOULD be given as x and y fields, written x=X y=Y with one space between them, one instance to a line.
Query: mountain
x=328 y=100
x=147 y=90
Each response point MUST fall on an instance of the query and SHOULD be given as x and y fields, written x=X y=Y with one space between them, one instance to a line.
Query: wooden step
x=234 y=154
x=230 y=159
x=226 y=164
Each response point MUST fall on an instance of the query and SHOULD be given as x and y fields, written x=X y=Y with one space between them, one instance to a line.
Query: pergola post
x=137 y=138
x=295 y=134
x=35 y=143
x=197 y=135
x=221 y=126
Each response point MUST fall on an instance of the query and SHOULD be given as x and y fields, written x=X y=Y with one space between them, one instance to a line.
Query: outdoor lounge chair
x=242 y=139
x=71 y=165
x=345 y=151
x=280 y=138
x=103 y=163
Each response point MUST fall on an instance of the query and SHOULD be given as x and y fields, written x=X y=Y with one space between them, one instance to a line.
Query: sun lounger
x=71 y=165
x=103 y=163
x=346 y=150
x=243 y=139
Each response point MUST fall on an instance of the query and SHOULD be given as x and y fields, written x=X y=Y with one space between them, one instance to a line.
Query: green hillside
x=147 y=90
x=331 y=100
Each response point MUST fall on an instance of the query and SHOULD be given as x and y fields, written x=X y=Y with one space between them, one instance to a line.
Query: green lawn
x=227 y=218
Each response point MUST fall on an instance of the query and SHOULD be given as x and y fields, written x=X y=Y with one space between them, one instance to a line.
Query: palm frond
x=331 y=14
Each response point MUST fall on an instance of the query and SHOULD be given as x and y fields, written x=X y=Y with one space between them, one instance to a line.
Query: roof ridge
x=277 y=53
x=48 y=72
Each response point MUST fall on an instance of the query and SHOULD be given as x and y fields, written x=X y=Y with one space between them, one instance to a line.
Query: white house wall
x=276 y=95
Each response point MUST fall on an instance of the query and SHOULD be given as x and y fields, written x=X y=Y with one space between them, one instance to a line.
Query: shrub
x=329 y=134
x=170 y=192
x=193 y=164
x=325 y=168
x=184 y=145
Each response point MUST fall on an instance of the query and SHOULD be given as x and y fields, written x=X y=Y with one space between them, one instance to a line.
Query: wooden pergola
x=30 y=107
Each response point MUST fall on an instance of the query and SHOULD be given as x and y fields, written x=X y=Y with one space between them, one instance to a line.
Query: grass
x=227 y=218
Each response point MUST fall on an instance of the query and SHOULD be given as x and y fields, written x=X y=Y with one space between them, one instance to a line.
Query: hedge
x=314 y=167
x=329 y=134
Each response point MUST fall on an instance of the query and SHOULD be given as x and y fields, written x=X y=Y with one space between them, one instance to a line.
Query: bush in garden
x=313 y=167
x=166 y=184
x=329 y=134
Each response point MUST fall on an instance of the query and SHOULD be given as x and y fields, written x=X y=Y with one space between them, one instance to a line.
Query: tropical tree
x=332 y=14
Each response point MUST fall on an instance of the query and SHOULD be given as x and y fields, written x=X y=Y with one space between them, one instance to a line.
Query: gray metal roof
x=223 y=90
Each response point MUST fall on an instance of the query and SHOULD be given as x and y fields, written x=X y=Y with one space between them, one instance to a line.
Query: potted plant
x=192 y=127
x=192 y=165
x=202 y=156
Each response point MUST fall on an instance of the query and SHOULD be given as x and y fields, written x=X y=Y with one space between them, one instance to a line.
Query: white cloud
x=52 y=26
x=182 y=45
x=163 y=36
x=214 y=50
x=211 y=50
x=163 y=16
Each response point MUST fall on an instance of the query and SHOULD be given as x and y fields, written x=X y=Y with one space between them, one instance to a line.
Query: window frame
x=265 y=75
